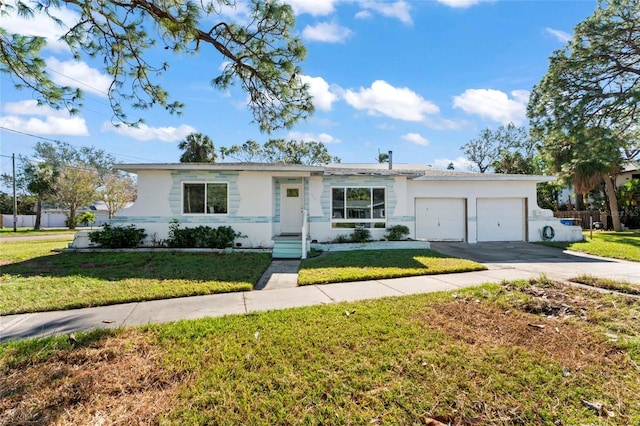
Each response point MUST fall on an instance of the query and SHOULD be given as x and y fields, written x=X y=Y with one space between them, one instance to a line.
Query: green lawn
x=361 y=265
x=525 y=353
x=29 y=232
x=18 y=251
x=38 y=280
x=615 y=245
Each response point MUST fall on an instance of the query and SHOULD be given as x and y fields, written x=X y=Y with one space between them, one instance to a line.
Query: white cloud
x=238 y=11
x=146 y=133
x=312 y=7
x=54 y=122
x=494 y=104
x=80 y=75
x=461 y=3
x=363 y=14
x=323 y=98
x=327 y=32
x=561 y=36
x=398 y=9
x=459 y=164
x=325 y=138
x=41 y=25
x=416 y=138
x=399 y=103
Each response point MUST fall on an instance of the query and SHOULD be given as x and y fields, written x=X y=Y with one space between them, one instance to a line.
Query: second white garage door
x=441 y=219
x=500 y=219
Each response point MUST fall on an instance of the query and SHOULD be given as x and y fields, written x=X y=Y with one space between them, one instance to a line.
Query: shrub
x=361 y=235
x=86 y=218
x=397 y=233
x=118 y=236
x=340 y=239
x=201 y=236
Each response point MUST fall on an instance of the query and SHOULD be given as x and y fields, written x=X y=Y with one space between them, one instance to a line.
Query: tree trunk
x=71 y=219
x=610 y=190
x=580 y=201
x=36 y=226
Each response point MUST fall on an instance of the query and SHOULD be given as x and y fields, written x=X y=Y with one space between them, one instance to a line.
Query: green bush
x=397 y=233
x=86 y=218
x=361 y=235
x=341 y=239
x=118 y=236
x=201 y=236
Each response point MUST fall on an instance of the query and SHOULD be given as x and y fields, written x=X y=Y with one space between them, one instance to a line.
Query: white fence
x=48 y=220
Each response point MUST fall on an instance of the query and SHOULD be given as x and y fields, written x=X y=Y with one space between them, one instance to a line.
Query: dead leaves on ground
x=119 y=380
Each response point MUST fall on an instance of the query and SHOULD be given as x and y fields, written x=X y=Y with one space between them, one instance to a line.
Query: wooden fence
x=581 y=217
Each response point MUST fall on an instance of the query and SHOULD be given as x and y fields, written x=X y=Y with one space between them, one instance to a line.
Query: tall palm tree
x=197 y=148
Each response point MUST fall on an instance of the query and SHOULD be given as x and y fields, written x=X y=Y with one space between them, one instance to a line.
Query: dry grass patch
x=487 y=327
x=118 y=380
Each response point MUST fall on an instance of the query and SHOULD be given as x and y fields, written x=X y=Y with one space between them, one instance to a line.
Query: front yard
x=526 y=353
x=615 y=245
x=359 y=265
x=33 y=279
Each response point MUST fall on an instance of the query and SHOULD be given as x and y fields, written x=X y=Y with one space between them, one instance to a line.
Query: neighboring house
x=266 y=201
x=630 y=171
x=54 y=217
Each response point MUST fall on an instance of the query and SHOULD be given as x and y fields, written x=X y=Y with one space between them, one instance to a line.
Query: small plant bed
x=519 y=353
x=614 y=245
x=359 y=265
x=77 y=280
x=607 y=284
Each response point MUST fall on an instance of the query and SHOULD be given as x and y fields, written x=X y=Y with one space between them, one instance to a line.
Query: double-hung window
x=358 y=206
x=205 y=198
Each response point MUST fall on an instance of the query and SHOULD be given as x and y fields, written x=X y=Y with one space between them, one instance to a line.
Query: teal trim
x=387 y=182
x=233 y=194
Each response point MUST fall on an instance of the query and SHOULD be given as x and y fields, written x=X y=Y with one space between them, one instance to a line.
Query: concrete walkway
x=280 y=292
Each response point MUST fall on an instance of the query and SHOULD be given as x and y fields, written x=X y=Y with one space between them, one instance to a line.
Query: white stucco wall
x=253 y=201
x=250 y=201
x=471 y=191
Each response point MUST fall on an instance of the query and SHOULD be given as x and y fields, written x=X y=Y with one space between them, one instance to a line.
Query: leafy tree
x=40 y=181
x=198 y=148
x=260 y=53
x=59 y=154
x=383 y=157
x=117 y=191
x=76 y=187
x=6 y=203
x=594 y=81
x=585 y=109
x=450 y=166
x=297 y=152
x=629 y=199
x=481 y=151
x=508 y=149
x=281 y=151
x=250 y=151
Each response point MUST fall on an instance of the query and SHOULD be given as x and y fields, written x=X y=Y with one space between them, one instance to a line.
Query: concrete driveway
x=536 y=258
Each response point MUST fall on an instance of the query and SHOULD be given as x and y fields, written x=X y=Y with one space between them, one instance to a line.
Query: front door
x=291 y=208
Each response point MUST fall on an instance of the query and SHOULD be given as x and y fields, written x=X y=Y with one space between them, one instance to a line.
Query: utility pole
x=15 y=199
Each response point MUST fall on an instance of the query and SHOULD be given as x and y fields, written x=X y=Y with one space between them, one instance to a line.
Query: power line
x=76 y=145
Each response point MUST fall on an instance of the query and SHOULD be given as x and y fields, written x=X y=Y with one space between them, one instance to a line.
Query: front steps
x=287 y=248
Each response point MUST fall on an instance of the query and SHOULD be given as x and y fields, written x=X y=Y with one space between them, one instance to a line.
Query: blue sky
x=420 y=78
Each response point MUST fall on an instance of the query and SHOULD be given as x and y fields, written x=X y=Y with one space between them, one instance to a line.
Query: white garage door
x=500 y=219
x=440 y=219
